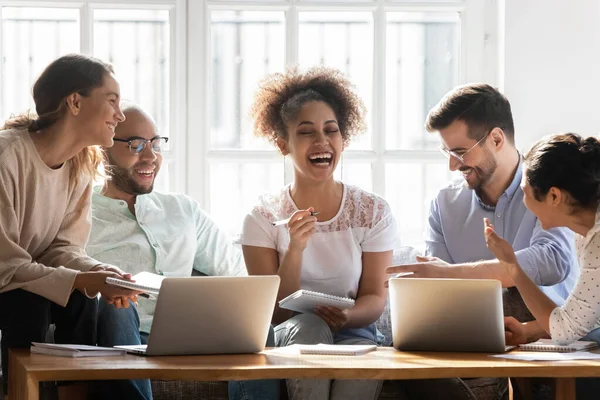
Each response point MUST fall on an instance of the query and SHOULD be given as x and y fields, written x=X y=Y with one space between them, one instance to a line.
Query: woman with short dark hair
x=562 y=188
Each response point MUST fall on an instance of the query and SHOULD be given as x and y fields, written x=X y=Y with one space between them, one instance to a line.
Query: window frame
x=176 y=157
x=479 y=52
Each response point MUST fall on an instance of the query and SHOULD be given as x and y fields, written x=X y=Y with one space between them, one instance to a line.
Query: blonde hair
x=72 y=73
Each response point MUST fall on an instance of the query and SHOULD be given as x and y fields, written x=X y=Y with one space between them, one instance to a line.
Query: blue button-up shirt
x=455 y=235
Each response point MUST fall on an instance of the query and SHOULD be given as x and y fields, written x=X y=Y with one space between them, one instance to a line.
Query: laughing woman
x=47 y=163
x=562 y=188
x=343 y=251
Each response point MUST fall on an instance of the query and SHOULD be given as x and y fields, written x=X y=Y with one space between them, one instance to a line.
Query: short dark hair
x=482 y=107
x=568 y=162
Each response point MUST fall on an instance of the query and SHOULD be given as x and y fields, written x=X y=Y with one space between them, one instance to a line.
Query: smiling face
x=479 y=163
x=134 y=173
x=314 y=141
x=99 y=113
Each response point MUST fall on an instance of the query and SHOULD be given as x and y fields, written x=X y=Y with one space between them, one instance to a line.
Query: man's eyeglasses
x=137 y=145
x=461 y=157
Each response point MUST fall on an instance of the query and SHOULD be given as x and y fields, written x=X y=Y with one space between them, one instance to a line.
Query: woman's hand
x=498 y=246
x=333 y=316
x=94 y=281
x=300 y=228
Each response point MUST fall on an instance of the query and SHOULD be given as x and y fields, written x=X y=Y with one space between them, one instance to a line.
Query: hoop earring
x=342 y=167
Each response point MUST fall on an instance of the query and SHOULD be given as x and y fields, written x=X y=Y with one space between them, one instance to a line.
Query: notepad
x=549 y=345
x=74 y=350
x=144 y=282
x=336 y=349
x=305 y=301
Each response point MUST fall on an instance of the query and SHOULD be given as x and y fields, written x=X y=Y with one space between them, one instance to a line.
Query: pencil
x=285 y=221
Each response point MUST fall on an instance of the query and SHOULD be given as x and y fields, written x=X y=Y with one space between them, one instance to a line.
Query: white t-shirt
x=581 y=312
x=332 y=260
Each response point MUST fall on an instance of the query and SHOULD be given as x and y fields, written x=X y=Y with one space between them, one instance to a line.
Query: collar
x=116 y=205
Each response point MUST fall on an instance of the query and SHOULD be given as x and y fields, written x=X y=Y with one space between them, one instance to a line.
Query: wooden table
x=27 y=371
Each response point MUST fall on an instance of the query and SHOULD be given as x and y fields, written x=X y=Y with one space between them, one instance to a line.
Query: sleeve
x=68 y=247
x=257 y=230
x=383 y=234
x=549 y=258
x=216 y=254
x=435 y=244
x=581 y=311
x=17 y=268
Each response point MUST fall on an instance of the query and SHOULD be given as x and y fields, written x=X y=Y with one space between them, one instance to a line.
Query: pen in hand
x=147 y=296
x=285 y=221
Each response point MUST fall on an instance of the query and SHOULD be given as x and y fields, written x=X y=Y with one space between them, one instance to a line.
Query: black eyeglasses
x=137 y=144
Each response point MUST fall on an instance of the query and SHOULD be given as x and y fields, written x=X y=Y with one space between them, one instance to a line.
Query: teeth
x=320 y=155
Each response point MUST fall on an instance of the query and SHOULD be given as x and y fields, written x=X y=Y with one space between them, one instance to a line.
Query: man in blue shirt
x=139 y=229
x=477 y=135
x=476 y=130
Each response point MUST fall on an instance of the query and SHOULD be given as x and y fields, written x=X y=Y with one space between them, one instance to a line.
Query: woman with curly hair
x=342 y=251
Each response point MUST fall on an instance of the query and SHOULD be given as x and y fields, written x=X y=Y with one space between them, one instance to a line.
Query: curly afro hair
x=281 y=96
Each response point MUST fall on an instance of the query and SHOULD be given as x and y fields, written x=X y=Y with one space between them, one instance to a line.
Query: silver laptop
x=211 y=315
x=447 y=315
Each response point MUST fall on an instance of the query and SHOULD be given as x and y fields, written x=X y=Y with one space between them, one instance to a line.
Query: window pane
x=245 y=47
x=343 y=40
x=235 y=187
x=422 y=65
x=161 y=183
x=409 y=189
x=31 y=39
x=136 y=42
x=355 y=173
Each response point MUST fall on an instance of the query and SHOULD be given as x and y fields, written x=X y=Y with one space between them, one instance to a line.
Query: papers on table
x=549 y=356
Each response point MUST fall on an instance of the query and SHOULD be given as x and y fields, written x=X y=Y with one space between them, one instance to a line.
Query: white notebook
x=549 y=345
x=336 y=349
x=74 y=350
x=144 y=282
x=305 y=301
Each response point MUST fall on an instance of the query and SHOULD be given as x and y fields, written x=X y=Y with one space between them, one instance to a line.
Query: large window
x=137 y=38
x=401 y=55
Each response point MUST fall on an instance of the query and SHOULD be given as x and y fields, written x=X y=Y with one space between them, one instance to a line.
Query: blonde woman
x=47 y=163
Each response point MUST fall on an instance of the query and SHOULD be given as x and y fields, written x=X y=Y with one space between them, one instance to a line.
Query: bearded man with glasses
x=475 y=126
x=166 y=234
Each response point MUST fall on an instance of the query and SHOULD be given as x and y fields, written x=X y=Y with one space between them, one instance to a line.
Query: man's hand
x=333 y=316
x=427 y=267
x=515 y=332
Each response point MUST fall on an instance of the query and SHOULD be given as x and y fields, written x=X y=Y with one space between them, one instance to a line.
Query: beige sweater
x=45 y=222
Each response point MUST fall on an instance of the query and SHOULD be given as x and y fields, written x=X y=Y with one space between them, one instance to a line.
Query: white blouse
x=581 y=312
x=332 y=260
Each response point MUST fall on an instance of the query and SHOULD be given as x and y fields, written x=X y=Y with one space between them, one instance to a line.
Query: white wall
x=552 y=66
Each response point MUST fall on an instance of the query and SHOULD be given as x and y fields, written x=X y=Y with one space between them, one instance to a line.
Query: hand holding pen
x=301 y=226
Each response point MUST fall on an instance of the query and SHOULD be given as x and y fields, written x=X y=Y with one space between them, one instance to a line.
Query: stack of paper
x=74 y=350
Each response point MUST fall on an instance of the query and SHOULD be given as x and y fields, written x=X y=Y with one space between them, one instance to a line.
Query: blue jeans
x=121 y=326
x=263 y=389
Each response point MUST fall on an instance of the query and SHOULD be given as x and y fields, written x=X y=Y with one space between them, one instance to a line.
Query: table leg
x=21 y=385
x=564 y=389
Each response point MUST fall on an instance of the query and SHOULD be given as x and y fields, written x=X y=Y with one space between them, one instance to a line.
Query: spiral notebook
x=549 y=345
x=305 y=301
x=146 y=282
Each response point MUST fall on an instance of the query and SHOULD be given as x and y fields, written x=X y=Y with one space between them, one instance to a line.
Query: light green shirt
x=168 y=235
